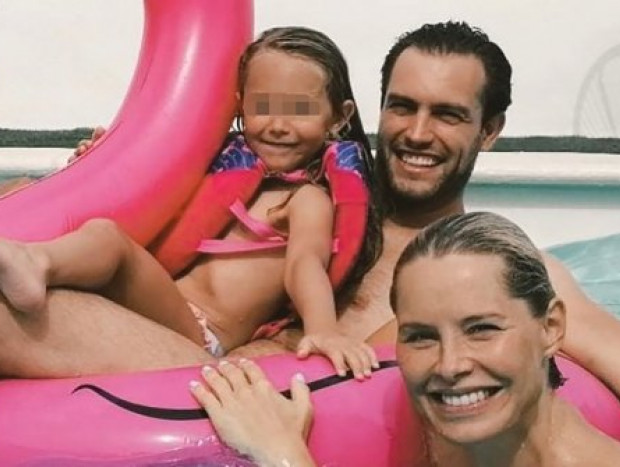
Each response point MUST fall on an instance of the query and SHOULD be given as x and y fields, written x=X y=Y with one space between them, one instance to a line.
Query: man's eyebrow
x=392 y=96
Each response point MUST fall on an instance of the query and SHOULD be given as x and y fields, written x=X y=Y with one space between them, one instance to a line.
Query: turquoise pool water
x=595 y=264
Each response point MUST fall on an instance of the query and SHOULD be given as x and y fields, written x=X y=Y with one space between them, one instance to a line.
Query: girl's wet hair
x=317 y=47
x=483 y=233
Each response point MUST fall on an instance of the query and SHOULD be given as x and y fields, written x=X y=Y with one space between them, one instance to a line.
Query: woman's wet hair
x=483 y=233
x=317 y=47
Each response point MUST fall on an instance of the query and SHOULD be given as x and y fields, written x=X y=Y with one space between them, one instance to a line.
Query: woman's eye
x=482 y=329
x=419 y=339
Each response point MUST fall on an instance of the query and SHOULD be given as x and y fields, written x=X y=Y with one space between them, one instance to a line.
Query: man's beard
x=399 y=198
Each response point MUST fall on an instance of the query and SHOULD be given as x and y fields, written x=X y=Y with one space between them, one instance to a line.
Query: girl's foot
x=22 y=276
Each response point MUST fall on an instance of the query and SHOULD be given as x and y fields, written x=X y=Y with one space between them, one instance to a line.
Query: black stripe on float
x=196 y=414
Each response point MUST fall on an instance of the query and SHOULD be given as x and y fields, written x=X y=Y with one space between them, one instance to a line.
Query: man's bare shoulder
x=370 y=310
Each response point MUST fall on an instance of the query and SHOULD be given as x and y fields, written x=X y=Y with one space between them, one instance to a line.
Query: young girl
x=294 y=95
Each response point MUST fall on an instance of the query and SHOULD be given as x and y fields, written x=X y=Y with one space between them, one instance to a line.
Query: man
x=444 y=92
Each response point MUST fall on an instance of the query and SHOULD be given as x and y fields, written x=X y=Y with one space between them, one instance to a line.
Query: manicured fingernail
x=299 y=377
x=206 y=369
x=194 y=384
x=223 y=362
x=243 y=360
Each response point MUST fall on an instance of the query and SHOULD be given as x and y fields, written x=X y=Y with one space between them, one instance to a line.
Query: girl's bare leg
x=101 y=258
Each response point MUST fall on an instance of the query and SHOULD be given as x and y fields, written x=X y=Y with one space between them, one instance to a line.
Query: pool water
x=595 y=263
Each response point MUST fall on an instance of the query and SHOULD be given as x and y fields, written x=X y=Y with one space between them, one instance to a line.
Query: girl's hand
x=250 y=416
x=344 y=352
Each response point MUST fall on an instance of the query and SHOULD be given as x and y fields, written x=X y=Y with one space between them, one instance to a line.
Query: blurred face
x=286 y=111
x=473 y=358
x=431 y=126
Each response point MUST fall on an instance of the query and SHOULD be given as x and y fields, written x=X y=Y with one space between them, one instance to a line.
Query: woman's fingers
x=234 y=375
x=253 y=372
x=217 y=383
x=300 y=392
x=300 y=395
x=204 y=396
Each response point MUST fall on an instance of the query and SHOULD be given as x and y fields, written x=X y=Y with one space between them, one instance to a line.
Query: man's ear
x=554 y=326
x=491 y=130
x=347 y=111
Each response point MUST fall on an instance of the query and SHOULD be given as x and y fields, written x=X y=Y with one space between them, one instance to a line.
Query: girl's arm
x=310 y=217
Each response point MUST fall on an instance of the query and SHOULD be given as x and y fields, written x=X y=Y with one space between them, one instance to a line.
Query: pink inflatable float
x=176 y=114
x=151 y=419
x=174 y=118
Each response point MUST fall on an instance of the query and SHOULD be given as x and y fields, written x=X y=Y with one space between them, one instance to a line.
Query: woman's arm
x=250 y=416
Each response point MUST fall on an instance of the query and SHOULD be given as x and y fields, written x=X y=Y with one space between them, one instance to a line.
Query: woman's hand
x=252 y=417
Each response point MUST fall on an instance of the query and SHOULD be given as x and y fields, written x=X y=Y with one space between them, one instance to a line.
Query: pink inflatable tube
x=151 y=419
x=176 y=113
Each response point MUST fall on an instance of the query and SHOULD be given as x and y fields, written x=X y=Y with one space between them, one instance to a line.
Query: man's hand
x=85 y=144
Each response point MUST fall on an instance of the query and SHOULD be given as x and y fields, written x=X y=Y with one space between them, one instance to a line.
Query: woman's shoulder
x=583 y=444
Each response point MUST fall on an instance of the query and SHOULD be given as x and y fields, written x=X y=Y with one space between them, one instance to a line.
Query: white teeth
x=423 y=161
x=465 y=399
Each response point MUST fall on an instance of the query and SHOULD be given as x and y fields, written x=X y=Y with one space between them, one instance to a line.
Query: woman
x=478 y=325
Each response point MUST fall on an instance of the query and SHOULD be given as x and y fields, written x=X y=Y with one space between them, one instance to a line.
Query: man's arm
x=592 y=333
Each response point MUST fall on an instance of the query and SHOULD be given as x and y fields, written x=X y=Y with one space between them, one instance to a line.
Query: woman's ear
x=554 y=326
x=347 y=111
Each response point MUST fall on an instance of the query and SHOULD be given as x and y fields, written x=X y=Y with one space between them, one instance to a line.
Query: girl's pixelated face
x=286 y=110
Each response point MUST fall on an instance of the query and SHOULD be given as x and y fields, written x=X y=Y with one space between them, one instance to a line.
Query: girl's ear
x=348 y=108
x=238 y=103
x=554 y=327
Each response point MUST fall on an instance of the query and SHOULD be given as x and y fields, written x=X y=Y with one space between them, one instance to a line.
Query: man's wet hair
x=458 y=38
